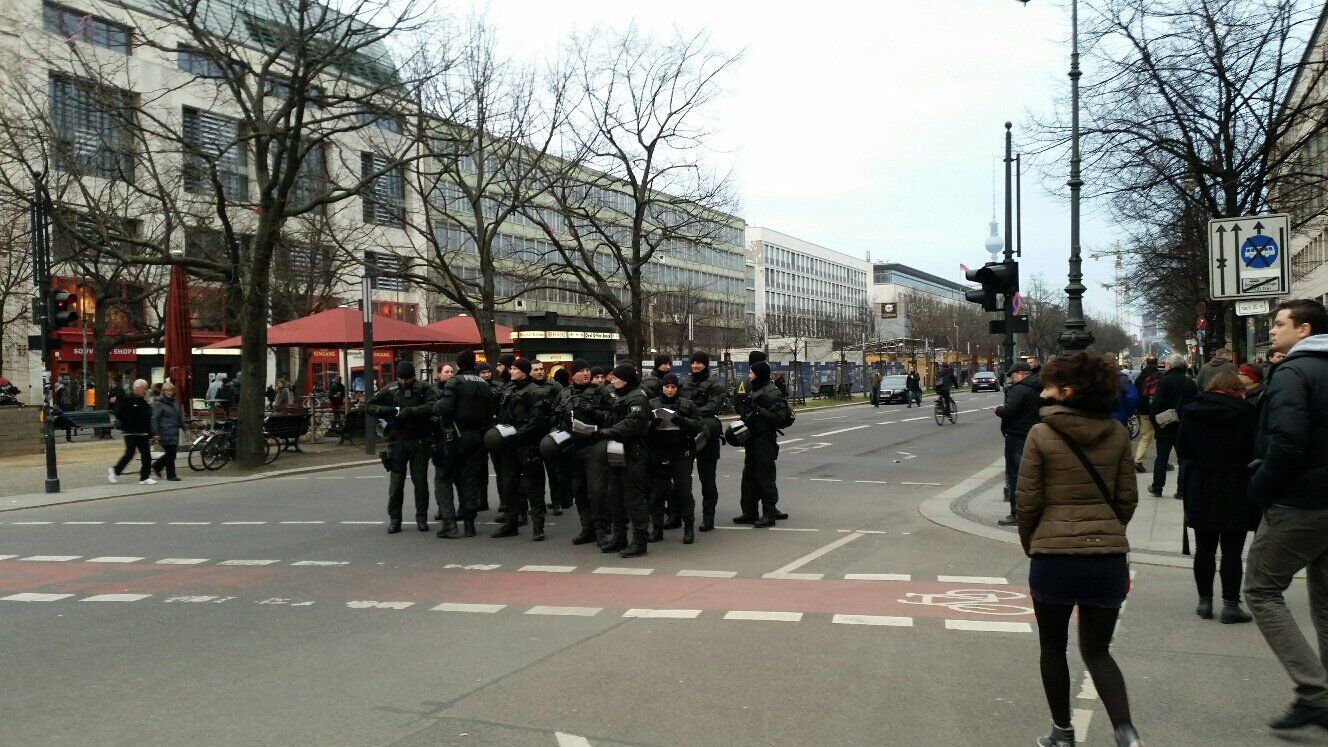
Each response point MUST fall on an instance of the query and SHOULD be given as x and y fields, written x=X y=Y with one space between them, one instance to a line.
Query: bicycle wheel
x=319 y=422
x=271 y=449
x=952 y=411
x=217 y=452
x=196 y=452
x=940 y=412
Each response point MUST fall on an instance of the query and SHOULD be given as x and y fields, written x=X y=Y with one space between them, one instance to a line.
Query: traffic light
x=999 y=280
x=38 y=313
x=63 y=309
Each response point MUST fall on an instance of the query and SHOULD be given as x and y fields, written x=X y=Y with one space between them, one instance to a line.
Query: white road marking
x=332 y=477
x=824 y=479
x=28 y=523
x=181 y=561
x=303 y=522
x=809 y=557
x=321 y=562
x=1088 y=691
x=135 y=523
x=367 y=477
x=195 y=599
x=785 y=441
x=932 y=484
x=871 y=482
x=888 y=422
x=841 y=430
x=115 y=598
x=565 y=611
x=708 y=574
x=793 y=529
x=898 y=622
x=72 y=523
x=907 y=456
x=52 y=558
x=828 y=417
x=795 y=576
x=1080 y=720
x=241 y=523
x=740 y=527
x=877 y=577
x=188 y=523
x=548 y=568
x=763 y=616
x=113 y=559
x=992 y=626
x=368 y=604
x=32 y=596
x=570 y=740
x=248 y=562
x=868 y=531
x=361 y=522
x=664 y=614
x=7 y=557
x=910 y=420
x=972 y=580
x=460 y=607
x=624 y=571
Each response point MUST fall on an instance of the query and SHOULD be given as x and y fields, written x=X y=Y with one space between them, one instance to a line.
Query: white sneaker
x=148 y=481
x=110 y=475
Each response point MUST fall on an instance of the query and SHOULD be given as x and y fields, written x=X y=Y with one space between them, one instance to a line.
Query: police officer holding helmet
x=589 y=406
x=465 y=408
x=707 y=394
x=407 y=405
x=627 y=484
x=524 y=410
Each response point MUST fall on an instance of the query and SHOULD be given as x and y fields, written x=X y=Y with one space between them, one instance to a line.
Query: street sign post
x=1248 y=257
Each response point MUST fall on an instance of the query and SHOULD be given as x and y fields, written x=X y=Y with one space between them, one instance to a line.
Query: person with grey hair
x=1174 y=391
x=135 y=416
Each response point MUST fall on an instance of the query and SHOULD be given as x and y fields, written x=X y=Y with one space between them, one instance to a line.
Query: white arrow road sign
x=1248 y=257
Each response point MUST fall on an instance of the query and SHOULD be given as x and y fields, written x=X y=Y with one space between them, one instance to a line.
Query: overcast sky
x=869 y=128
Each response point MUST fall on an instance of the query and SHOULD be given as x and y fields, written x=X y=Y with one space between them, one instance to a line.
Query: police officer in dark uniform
x=523 y=405
x=627 y=485
x=559 y=493
x=706 y=394
x=407 y=405
x=590 y=406
x=672 y=443
x=651 y=384
x=501 y=379
x=465 y=409
x=444 y=482
x=764 y=411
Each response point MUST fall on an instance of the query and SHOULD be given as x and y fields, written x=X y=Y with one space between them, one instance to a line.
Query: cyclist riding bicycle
x=944 y=383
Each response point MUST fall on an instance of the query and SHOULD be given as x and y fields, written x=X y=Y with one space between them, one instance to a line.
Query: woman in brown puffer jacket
x=1075 y=534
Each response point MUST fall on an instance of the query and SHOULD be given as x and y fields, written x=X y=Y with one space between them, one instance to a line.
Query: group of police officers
x=619 y=449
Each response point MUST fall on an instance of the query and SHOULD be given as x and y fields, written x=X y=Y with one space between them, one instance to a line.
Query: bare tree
x=632 y=182
x=15 y=280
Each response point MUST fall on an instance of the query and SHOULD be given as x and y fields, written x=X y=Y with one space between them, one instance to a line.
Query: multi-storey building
x=800 y=289
x=893 y=284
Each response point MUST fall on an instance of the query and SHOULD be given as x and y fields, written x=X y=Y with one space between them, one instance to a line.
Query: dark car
x=986 y=381
x=894 y=389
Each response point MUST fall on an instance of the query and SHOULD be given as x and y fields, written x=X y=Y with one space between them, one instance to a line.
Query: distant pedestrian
x=876 y=388
x=1174 y=391
x=1018 y=416
x=285 y=398
x=913 y=385
x=1146 y=385
x=1290 y=482
x=215 y=386
x=1220 y=363
x=165 y=425
x=135 y=416
x=336 y=397
x=1216 y=440
x=1076 y=493
x=1127 y=399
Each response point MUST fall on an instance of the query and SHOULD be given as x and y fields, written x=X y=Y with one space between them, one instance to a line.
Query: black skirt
x=1085 y=580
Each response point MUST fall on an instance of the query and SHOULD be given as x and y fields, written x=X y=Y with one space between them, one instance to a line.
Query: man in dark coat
x=1290 y=481
x=1174 y=391
x=765 y=411
x=135 y=417
x=672 y=449
x=913 y=383
x=652 y=383
x=707 y=394
x=1018 y=415
x=407 y=404
x=627 y=484
x=591 y=408
x=524 y=406
x=465 y=409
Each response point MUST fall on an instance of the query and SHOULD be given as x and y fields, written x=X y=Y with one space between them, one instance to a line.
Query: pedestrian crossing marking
x=663 y=614
x=181 y=561
x=32 y=596
x=113 y=559
x=972 y=580
x=248 y=562
x=624 y=571
x=898 y=622
x=761 y=615
x=564 y=611
x=548 y=568
x=708 y=574
x=991 y=626
x=51 y=558
x=460 y=607
x=115 y=598
x=877 y=577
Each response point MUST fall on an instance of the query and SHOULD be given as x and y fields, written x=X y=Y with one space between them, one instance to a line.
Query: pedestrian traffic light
x=63 y=309
x=38 y=313
x=999 y=280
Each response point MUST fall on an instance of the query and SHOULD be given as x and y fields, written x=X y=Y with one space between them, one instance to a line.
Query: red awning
x=343 y=328
x=118 y=354
x=465 y=331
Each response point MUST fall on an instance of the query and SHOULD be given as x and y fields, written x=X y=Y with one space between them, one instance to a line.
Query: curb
x=41 y=500
x=937 y=510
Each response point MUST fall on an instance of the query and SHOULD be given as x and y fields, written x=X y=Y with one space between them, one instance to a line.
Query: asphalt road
x=279 y=612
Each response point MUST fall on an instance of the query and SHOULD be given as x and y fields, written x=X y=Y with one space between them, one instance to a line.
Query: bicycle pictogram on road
x=973 y=601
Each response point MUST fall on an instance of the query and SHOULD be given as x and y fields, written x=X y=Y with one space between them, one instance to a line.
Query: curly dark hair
x=1094 y=379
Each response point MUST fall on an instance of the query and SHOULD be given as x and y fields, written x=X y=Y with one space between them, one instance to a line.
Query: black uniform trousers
x=626 y=499
x=444 y=478
x=559 y=471
x=520 y=480
x=759 y=493
x=586 y=480
x=465 y=470
x=671 y=487
x=707 y=463
x=412 y=455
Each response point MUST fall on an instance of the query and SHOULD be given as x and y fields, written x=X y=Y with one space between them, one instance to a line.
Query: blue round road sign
x=1258 y=252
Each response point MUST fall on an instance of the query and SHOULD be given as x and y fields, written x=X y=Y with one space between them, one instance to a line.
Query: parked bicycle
x=216 y=448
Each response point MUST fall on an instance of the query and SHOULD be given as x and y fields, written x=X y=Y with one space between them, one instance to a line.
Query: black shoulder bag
x=1093 y=473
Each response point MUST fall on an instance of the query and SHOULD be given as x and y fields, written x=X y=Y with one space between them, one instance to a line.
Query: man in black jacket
x=1174 y=391
x=707 y=393
x=135 y=416
x=1018 y=415
x=1290 y=481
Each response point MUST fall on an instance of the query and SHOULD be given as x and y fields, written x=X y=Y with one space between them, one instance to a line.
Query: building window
x=75 y=24
x=381 y=120
x=311 y=182
x=213 y=146
x=385 y=273
x=200 y=64
x=91 y=129
x=384 y=197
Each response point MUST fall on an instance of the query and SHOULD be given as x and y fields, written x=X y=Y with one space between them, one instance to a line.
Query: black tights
x=1205 y=562
x=1096 y=625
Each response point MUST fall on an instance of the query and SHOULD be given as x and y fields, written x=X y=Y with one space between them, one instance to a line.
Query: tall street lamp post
x=1076 y=335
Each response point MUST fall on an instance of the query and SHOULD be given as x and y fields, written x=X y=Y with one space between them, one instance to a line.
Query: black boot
x=1205 y=608
x=470 y=526
x=744 y=519
x=523 y=519
x=1057 y=738
x=1232 y=613
x=449 y=530
x=602 y=535
x=393 y=527
x=1126 y=736
x=537 y=529
x=508 y=529
x=616 y=542
x=638 y=546
x=422 y=525
x=707 y=522
x=586 y=536
x=656 y=533
x=780 y=515
x=556 y=510
x=688 y=537
x=672 y=522
x=764 y=522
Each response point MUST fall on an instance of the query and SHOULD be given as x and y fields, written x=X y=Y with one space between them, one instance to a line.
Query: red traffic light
x=63 y=309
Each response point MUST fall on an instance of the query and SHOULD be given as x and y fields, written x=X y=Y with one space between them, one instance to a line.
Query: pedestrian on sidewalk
x=1220 y=363
x=1127 y=399
x=1174 y=391
x=1290 y=482
x=1076 y=492
x=913 y=383
x=1251 y=376
x=1146 y=385
x=876 y=388
x=1018 y=415
x=135 y=416
x=166 y=423
x=1216 y=440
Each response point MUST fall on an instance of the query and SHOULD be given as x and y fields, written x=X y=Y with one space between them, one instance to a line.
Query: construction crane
x=1119 y=285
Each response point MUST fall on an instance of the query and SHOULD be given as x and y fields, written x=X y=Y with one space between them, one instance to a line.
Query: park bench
x=287 y=429
x=826 y=391
x=352 y=427
x=90 y=418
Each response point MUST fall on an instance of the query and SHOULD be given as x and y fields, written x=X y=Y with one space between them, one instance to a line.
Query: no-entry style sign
x=1248 y=257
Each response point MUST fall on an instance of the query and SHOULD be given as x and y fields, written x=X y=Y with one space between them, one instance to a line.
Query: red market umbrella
x=179 y=342
x=343 y=328
x=467 y=332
